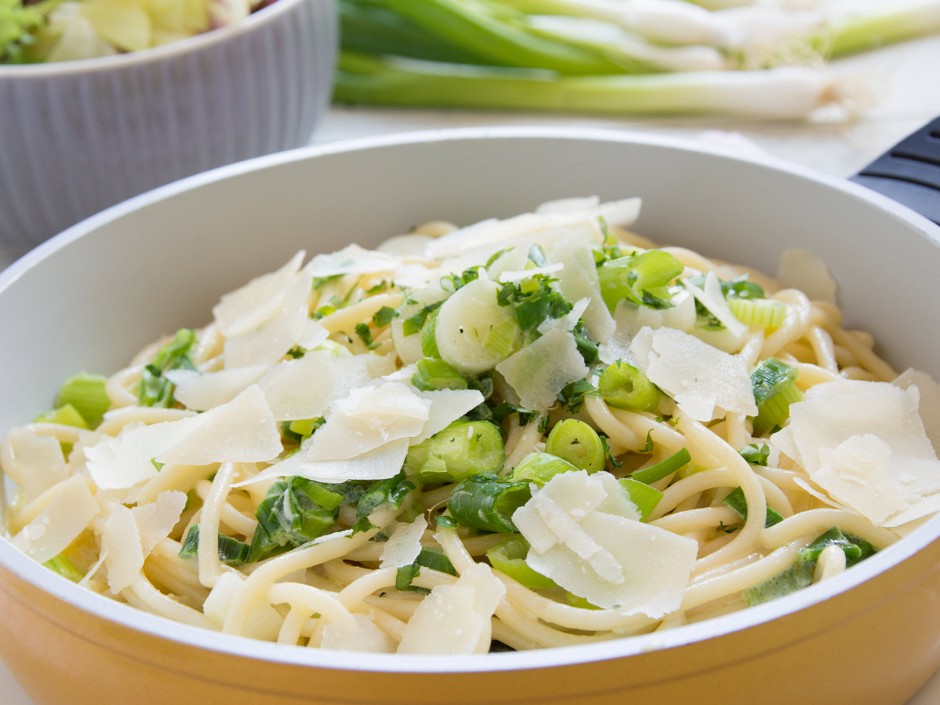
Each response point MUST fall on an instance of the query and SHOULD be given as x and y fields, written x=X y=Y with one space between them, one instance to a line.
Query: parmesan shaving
x=404 y=545
x=543 y=368
x=352 y=259
x=38 y=463
x=206 y=391
x=66 y=516
x=246 y=308
x=801 y=269
x=120 y=542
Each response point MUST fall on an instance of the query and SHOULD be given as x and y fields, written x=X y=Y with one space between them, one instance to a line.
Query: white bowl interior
x=91 y=297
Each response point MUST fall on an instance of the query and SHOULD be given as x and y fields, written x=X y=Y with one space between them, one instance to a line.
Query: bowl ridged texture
x=79 y=138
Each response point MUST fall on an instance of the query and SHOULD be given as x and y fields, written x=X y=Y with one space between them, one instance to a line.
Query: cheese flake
x=206 y=391
x=358 y=633
x=585 y=534
x=447 y=405
x=804 y=270
x=353 y=259
x=66 y=516
x=703 y=380
x=156 y=520
x=540 y=370
x=249 y=306
x=404 y=545
x=37 y=462
x=300 y=389
x=120 y=544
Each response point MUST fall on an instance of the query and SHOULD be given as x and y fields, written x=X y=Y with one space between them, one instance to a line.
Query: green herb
x=384 y=316
x=433 y=374
x=572 y=395
x=755 y=454
x=435 y=560
x=508 y=557
x=642 y=495
x=415 y=323
x=231 y=551
x=294 y=512
x=774 y=386
x=365 y=335
x=533 y=300
x=155 y=389
x=738 y=503
x=640 y=278
x=794 y=578
x=664 y=468
x=487 y=502
x=391 y=491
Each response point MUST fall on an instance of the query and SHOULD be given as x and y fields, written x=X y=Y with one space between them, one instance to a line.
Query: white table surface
x=903 y=81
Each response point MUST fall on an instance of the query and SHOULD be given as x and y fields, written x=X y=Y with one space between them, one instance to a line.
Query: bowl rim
x=164 y=52
x=151 y=625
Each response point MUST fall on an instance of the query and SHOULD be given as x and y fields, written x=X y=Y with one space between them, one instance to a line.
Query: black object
x=909 y=172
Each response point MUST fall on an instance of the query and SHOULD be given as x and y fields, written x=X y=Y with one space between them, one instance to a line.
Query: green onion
x=432 y=374
x=384 y=316
x=427 y=558
x=738 y=503
x=462 y=449
x=664 y=468
x=487 y=502
x=231 y=551
x=86 y=393
x=763 y=313
x=428 y=336
x=392 y=491
x=578 y=443
x=641 y=279
x=305 y=427
x=896 y=22
x=66 y=415
x=502 y=339
x=539 y=468
x=155 y=389
x=792 y=579
x=774 y=385
x=64 y=567
x=642 y=495
x=755 y=454
x=508 y=557
x=855 y=549
x=623 y=386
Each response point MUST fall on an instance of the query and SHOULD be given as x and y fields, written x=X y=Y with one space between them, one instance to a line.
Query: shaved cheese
x=312 y=335
x=568 y=321
x=66 y=516
x=352 y=259
x=410 y=245
x=156 y=520
x=569 y=205
x=519 y=275
x=263 y=621
x=711 y=297
x=585 y=535
x=579 y=280
x=864 y=444
x=929 y=405
x=803 y=270
x=447 y=405
x=359 y=633
x=408 y=347
x=455 y=619
x=206 y=391
x=631 y=319
x=300 y=389
x=241 y=431
x=404 y=545
x=248 y=307
x=703 y=380
x=368 y=418
x=543 y=368
x=120 y=543
x=380 y=464
x=127 y=459
x=38 y=463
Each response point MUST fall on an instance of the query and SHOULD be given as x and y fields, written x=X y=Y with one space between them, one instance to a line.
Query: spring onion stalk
x=428 y=341
x=738 y=503
x=855 y=549
x=539 y=468
x=64 y=567
x=462 y=449
x=293 y=512
x=435 y=560
x=781 y=93
x=774 y=385
x=642 y=495
x=66 y=415
x=86 y=393
x=623 y=386
x=392 y=491
x=508 y=557
x=432 y=374
x=231 y=551
x=479 y=28
x=155 y=389
x=797 y=577
x=763 y=313
x=641 y=279
x=899 y=21
x=487 y=502
x=664 y=468
x=578 y=443
x=305 y=427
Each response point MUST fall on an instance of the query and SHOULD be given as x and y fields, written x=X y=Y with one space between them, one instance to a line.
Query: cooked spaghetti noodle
x=528 y=433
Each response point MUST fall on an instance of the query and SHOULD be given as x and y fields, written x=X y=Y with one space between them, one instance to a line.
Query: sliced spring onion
x=755 y=454
x=305 y=427
x=539 y=468
x=763 y=313
x=293 y=512
x=66 y=415
x=231 y=551
x=86 y=393
x=774 y=385
x=155 y=389
x=664 y=468
x=432 y=373
x=428 y=341
x=64 y=567
x=578 y=443
x=642 y=495
x=462 y=449
x=855 y=549
x=487 y=502
x=623 y=386
x=392 y=491
x=797 y=577
x=738 y=503
x=641 y=279
x=508 y=557
x=427 y=558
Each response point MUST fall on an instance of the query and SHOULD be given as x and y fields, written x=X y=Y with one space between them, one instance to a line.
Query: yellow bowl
x=868 y=637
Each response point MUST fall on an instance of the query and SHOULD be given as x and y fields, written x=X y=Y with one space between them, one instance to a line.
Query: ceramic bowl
x=870 y=636
x=78 y=136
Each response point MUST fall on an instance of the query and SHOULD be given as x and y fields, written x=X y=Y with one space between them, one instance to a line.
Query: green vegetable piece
x=435 y=560
x=792 y=579
x=623 y=386
x=642 y=495
x=415 y=323
x=155 y=389
x=86 y=393
x=64 y=567
x=755 y=454
x=508 y=557
x=641 y=279
x=763 y=313
x=294 y=512
x=305 y=427
x=432 y=373
x=391 y=491
x=774 y=385
x=738 y=503
x=855 y=549
x=428 y=339
x=533 y=300
x=384 y=316
x=578 y=443
x=66 y=415
x=487 y=502
x=540 y=468
x=18 y=28
x=462 y=449
x=231 y=551
x=664 y=468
